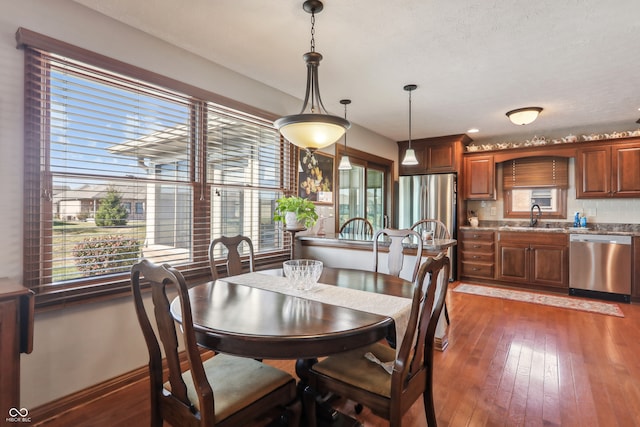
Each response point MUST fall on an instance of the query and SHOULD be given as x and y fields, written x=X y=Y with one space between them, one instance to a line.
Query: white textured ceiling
x=472 y=60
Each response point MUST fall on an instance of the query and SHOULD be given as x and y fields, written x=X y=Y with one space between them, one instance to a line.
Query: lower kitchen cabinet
x=538 y=259
x=477 y=255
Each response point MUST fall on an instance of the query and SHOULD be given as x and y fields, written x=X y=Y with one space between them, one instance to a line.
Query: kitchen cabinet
x=477 y=254
x=16 y=336
x=608 y=170
x=435 y=155
x=537 y=259
x=479 y=177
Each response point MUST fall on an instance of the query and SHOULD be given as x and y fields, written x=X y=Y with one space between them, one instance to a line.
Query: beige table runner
x=397 y=308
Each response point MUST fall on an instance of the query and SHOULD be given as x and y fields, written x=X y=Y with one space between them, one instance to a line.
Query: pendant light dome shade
x=313 y=127
x=312 y=131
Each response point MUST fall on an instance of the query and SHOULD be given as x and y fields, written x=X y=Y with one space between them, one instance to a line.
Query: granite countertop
x=612 y=229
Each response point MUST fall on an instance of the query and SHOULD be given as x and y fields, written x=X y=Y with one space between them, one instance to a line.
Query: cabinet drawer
x=486 y=236
x=478 y=257
x=477 y=246
x=476 y=269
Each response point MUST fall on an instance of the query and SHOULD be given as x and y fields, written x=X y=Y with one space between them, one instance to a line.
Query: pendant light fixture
x=524 y=116
x=345 y=164
x=410 y=155
x=314 y=127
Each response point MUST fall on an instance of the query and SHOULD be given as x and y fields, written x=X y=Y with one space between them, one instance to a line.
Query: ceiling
x=472 y=61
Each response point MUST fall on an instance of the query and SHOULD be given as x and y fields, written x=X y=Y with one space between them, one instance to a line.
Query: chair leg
x=446 y=314
x=293 y=413
x=429 y=410
x=309 y=402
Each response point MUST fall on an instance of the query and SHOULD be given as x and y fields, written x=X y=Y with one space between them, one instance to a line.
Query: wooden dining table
x=237 y=315
x=249 y=321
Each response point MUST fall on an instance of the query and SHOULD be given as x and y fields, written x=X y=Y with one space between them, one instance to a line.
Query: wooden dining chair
x=233 y=264
x=434 y=227
x=224 y=390
x=395 y=257
x=355 y=377
x=357 y=227
x=437 y=230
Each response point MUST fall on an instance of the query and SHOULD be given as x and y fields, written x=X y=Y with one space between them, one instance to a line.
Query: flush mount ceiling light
x=345 y=164
x=524 y=116
x=313 y=127
x=410 y=155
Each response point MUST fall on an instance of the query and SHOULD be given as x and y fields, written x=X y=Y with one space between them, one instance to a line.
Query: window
x=535 y=180
x=118 y=167
x=363 y=190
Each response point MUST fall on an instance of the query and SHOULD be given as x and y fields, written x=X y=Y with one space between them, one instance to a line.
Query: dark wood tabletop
x=246 y=321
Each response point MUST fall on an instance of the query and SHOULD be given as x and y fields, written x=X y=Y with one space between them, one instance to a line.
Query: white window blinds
x=117 y=168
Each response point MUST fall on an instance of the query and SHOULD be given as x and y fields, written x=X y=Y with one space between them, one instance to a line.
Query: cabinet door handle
x=476 y=257
x=475 y=236
x=475 y=269
x=477 y=246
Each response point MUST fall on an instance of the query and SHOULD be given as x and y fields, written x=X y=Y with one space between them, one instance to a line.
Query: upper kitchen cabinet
x=479 y=177
x=608 y=170
x=435 y=155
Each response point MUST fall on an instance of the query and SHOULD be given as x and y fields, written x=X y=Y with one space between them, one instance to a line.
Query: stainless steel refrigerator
x=429 y=196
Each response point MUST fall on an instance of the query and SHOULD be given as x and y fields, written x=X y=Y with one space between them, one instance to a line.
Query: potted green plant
x=295 y=212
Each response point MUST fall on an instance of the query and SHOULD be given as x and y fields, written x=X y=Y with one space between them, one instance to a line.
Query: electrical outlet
x=494 y=211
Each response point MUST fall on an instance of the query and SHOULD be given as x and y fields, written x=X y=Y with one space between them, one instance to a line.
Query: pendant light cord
x=410 y=118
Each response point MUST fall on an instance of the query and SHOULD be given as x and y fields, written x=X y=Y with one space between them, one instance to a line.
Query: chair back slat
x=395 y=257
x=233 y=262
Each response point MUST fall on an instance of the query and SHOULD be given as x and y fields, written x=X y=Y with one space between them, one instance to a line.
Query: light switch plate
x=494 y=212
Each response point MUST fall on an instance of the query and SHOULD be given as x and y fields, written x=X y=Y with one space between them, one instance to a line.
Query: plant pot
x=291 y=221
x=473 y=221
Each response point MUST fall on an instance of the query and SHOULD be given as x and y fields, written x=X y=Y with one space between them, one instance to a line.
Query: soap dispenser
x=576 y=220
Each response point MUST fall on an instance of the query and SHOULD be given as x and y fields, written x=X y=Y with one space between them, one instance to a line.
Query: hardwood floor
x=507 y=364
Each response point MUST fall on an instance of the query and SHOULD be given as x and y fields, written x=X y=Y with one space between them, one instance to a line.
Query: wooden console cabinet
x=16 y=336
x=538 y=259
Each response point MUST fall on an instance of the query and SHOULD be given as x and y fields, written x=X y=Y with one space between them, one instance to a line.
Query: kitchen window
x=535 y=180
x=101 y=138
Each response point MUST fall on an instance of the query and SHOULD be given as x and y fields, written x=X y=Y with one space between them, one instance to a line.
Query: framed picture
x=315 y=176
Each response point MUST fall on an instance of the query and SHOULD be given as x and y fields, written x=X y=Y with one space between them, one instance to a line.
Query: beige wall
x=81 y=345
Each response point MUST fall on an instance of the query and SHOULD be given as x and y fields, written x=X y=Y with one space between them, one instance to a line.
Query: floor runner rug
x=545 y=299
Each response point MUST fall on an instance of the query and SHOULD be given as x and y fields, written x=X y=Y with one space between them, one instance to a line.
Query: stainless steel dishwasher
x=600 y=266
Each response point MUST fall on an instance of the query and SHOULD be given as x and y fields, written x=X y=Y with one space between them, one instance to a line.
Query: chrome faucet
x=534 y=221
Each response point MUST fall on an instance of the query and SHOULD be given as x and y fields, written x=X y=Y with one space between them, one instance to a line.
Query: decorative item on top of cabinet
x=435 y=155
x=479 y=177
x=608 y=170
x=477 y=251
x=538 y=259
